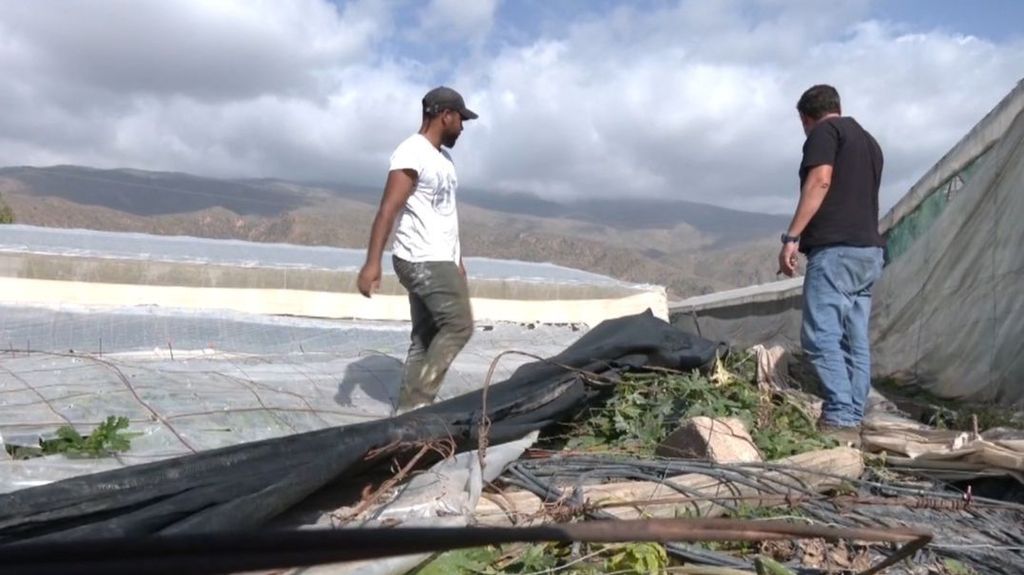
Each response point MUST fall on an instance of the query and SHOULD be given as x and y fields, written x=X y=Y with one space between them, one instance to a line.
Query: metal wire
x=995 y=522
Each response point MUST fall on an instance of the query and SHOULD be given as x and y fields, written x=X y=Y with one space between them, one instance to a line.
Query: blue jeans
x=836 y=309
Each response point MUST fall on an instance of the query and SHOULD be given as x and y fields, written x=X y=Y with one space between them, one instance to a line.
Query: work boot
x=846 y=435
x=400 y=410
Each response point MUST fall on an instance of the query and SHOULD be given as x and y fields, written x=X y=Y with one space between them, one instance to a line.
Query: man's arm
x=399 y=187
x=815 y=188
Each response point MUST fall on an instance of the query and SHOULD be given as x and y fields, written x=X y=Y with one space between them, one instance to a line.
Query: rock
x=720 y=440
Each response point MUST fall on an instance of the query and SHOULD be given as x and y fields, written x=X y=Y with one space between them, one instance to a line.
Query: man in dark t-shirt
x=836 y=227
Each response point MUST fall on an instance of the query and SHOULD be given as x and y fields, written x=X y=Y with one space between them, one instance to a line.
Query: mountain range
x=691 y=248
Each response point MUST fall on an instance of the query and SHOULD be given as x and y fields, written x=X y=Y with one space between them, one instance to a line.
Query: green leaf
x=461 y=561
x=107 y=438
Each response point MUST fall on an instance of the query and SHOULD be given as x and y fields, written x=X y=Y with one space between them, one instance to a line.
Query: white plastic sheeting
x=265 y=377
x=135 y=246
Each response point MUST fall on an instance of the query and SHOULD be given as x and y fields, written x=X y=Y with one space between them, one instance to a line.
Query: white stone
x=719 y=440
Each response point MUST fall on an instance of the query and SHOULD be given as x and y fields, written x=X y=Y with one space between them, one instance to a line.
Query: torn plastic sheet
x=951 y=453
x=245 y=486
x=446 y=495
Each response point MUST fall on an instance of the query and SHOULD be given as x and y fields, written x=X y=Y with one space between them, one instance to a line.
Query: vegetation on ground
x=582 y=559
x=950 y=414
x=637 y=414
x=6 y=213
x=108 y=438
x=644 y=408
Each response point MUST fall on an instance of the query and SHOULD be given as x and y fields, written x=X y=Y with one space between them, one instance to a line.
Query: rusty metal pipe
x=225 y=553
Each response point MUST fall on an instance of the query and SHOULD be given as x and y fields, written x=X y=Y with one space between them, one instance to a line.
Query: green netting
x=901 y=236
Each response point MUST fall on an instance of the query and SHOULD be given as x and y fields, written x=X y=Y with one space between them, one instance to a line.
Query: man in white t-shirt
x=426 y=254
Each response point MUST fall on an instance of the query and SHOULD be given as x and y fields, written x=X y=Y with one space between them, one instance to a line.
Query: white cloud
x=694 y=100
x=207 y=50
x=652 y=104
x=458 y=19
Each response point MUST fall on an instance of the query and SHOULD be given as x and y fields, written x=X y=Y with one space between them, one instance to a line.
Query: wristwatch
x=787 y=239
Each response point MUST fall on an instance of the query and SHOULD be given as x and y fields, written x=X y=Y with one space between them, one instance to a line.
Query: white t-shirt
x=428 y=227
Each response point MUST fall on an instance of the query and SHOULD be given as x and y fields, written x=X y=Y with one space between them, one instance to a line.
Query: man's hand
x=812 y=194
x=788 y=258
x=462 y=268
x=369 y=278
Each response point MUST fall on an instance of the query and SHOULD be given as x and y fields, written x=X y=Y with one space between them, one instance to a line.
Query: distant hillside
x=155 y=193
x=692 y=248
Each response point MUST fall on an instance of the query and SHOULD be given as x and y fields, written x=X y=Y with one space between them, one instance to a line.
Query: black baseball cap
x=444 y=98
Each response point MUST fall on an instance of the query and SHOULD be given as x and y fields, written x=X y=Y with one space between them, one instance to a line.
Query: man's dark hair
x=819 y=100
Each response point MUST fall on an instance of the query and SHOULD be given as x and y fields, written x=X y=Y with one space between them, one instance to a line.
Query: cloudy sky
x=685 y=99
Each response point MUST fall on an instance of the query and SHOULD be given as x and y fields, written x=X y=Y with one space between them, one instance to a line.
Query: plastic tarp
x=16 y=238
x=764 y=314
x=244 y=486
x=191 y=380
x=947 y=313
x=900 y=237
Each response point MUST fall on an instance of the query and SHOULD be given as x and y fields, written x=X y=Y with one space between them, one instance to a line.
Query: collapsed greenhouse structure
x=258 y=390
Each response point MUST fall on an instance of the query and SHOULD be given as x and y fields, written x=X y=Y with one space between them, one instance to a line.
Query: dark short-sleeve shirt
x=849 y=214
